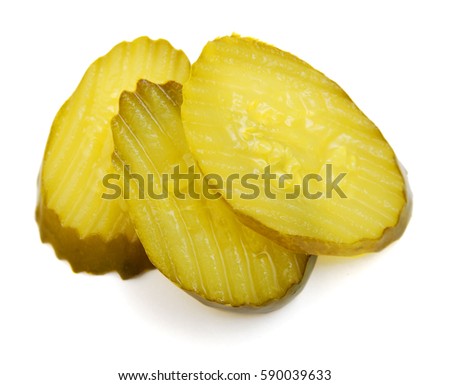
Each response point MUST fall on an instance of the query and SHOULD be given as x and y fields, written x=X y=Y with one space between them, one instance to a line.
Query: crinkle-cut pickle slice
x=94 y=234
x=249 y=106
x=198 y=243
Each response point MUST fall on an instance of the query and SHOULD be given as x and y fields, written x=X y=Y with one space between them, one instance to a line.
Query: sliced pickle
x=194 y=239
x=95 y=234
x=323 y=179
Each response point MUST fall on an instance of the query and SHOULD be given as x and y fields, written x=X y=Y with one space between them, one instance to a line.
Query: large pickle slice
x=95 y=234
x=194 y=240
x=323 y=178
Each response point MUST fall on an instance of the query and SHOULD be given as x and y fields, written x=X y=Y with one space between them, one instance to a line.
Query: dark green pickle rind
x=271 y=305
x=91 y=254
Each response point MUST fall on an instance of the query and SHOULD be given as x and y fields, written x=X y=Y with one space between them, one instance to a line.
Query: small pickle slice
x=321 y=177
x=95 y=234
x=194 y=238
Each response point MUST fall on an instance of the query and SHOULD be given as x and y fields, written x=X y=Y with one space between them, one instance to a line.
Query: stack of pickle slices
x=229 y=176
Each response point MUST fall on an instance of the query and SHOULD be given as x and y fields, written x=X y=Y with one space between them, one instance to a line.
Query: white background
x=379 y=319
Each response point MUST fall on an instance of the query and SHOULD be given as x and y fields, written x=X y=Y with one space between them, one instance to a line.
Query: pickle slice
x=323 y=179
x=194 y=239
x=95 y=234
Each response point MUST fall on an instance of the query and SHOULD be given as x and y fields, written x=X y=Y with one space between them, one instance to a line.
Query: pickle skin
x=127 y=258
x=271 y=305
x=364 y=246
